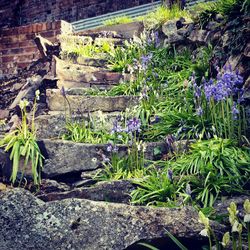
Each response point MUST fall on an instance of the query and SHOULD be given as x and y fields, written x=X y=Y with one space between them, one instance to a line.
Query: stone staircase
x=74 y=79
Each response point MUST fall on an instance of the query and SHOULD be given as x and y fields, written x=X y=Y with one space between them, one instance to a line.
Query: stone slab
x=63 y=157
x=82 y=104
x=29 y=223
x=53 y=125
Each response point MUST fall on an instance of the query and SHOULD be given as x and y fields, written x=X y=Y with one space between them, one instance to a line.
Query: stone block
x=83 y=104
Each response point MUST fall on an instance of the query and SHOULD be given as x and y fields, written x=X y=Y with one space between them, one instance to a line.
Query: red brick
x=27 y=43
x=30 y=50
x=16 y=51
x=23 y=65
x=47 y=34
x=6 y=59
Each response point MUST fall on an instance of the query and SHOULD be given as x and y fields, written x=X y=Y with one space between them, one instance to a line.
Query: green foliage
x=163 y=14
x=21 y=143
x=84 y=132
x=75 y=46
x=155 y=189
x=118 y=20
x=214 y=167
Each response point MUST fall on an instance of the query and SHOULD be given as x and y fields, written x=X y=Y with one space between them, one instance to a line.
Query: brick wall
x=21 y=12
x=17 y=46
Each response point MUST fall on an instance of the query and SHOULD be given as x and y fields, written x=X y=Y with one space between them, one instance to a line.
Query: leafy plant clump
x=22 y=144
x=118 y=20
x=212 y=168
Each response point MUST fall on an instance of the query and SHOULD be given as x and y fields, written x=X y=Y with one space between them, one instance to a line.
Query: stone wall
x=20 y=12
x=17 y=46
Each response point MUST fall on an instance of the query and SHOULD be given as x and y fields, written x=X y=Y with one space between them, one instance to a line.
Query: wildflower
x=204 y=232
x=37 y=94
x=63 y=92
x=199 y=111
x=188 y=190
x=235 y=112
x=23 y=104
x=105 y=159
x=226 y=239
x=116 y=127
x=203 y=220
x=247 y=211
x=143 y=94
x=145 y=59
x=133 y=125
x=170 y=139
x=170 y=175
x=109 y=147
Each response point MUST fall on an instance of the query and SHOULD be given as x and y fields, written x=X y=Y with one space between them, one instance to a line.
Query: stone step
x=63 y=157
x=126 y=30
x=70 y=42
x=112 y=191
x=81 y=104
x=53 y=124
x=88 y=61
x=71 y=75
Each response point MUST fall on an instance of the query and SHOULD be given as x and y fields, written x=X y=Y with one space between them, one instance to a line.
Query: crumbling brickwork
x=17 y=46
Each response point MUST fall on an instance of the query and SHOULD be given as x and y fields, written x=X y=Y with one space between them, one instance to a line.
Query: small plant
x=118 y=20
x=163 y=14
x=124 y=167
x=155 y=189
x=21 y=143
x=236 y=229
x=213 y=167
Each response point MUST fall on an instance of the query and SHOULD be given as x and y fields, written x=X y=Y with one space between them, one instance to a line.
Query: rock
x=5 y=164
x=4 y=114
x=113 y=191
x=126 y=30
x=212 y=26
x=53 y=124
x=221 y=206
x=170 y=30
x=63 y=157
x=50 y=186
x=29 y=223
x=72 y=75
x=28 y=90
x=169 y=27
x=173 y=38
x=247 y=50
x=226 y=38
x=200 y=37
x=81 y=104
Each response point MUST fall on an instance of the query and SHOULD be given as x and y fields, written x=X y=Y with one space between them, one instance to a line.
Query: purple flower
x=235 y=112
x=105 y=159
x=63 y=92
x=144 y=93
x=170 y=175
x=199 y=111
x=133 y=125
x=145 y=59
x=112 y=148
x=156 y=39
x=116 y=127
x=109 y=147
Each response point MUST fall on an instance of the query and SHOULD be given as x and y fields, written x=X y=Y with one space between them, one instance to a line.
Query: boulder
x=29 y=223
x=112 y=191
x=200 y=37
x=63 y=157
